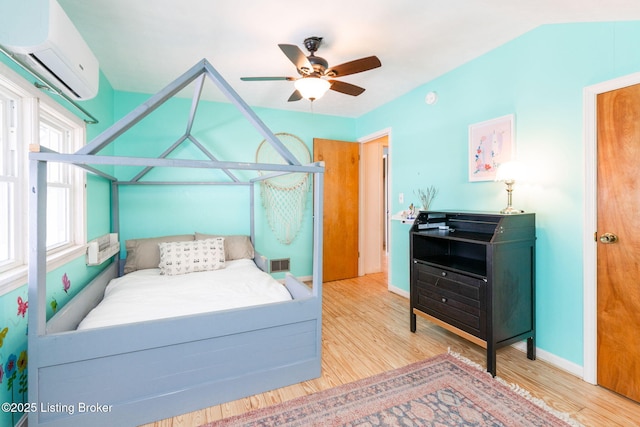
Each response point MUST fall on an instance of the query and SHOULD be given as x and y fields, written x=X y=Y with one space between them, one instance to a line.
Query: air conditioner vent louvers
x=57 y=78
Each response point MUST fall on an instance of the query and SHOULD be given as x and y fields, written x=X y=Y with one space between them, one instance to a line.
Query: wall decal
x=3 y=334
x=22 y=307
x=66 y=283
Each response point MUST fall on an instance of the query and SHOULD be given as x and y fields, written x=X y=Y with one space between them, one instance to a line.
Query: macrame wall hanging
x=284 y=197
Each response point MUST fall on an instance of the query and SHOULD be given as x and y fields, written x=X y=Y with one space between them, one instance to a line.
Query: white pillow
x=189 y=257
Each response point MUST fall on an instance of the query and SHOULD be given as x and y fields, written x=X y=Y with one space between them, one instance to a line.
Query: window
x=9 y=177
x=29 y=117
x=57 y=135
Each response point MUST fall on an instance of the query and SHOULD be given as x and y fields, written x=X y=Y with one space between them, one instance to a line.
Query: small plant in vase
x=426 y=196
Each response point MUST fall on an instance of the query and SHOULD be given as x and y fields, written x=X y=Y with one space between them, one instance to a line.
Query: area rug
x=446 y=390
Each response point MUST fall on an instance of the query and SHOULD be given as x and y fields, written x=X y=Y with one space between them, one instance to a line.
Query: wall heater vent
x=278 y=265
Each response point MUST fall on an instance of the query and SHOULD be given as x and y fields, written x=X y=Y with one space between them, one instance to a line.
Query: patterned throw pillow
x=189 y=257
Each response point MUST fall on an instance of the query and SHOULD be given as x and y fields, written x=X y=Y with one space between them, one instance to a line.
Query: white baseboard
x=399 y=291
x=551 y=358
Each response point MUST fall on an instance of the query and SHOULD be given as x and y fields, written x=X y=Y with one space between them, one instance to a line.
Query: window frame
x=32 y=106
x=11 y=178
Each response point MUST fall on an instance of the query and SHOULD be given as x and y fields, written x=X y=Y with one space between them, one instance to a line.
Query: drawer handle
x=444 y=299
x=444 y=273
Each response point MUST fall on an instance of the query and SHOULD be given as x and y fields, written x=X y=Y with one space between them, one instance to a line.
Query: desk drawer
x=454 y=298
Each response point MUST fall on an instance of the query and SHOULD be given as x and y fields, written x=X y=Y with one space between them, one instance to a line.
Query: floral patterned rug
x=446 y=390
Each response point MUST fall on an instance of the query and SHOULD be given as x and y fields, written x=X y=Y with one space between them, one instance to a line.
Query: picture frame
x=491 y=143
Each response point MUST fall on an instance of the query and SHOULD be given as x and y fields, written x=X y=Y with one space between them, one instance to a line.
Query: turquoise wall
x=539 y=77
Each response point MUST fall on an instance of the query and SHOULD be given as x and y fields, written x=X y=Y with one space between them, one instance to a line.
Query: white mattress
x=148 y=295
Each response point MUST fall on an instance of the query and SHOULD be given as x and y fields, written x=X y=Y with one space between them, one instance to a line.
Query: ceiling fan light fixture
x=316 y=78
x=312 y=87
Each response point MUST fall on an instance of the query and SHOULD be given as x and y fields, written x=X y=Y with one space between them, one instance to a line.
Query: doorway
x=375 y=202
x=374 y=216
x=593 y=251
x=344 y=198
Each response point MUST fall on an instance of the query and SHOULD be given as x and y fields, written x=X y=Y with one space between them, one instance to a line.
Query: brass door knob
x=608 y=238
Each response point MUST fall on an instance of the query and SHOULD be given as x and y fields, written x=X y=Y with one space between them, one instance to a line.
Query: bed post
x=115 y=221
x=115 y=208
x=37 y=271
x=252 y=213
x=318 y=180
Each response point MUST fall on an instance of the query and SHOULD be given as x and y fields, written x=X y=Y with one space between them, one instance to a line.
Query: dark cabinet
x=474 y=274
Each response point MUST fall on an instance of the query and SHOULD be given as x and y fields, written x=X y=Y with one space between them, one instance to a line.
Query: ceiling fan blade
x=296 y=56
x=352 y=67
x=264 y=79
x=295 y=96
x=346 y=88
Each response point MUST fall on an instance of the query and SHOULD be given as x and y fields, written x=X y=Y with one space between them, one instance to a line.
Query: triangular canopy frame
x=88 y=154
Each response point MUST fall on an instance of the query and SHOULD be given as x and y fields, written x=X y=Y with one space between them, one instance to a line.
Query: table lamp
x=509 y=172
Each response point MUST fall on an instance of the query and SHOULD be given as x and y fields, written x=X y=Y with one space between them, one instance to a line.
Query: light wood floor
x=366 y=331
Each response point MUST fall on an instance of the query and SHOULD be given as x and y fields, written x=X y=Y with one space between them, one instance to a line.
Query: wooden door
x=618 y=318
x=340 y=222
x=373 y=204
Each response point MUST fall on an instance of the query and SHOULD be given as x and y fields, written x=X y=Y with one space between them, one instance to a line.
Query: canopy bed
x=144 y=370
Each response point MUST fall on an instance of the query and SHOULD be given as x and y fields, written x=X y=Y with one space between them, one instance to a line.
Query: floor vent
x=278 y=265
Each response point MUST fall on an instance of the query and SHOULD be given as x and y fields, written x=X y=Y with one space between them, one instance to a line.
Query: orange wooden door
x=340 y=222
x=618 y=318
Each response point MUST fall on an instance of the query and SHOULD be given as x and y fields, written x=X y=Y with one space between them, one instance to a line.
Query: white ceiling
x=143 y=45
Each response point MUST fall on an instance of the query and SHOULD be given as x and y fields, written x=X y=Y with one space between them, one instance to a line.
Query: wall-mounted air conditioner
x=41 y=34
x=101 y=249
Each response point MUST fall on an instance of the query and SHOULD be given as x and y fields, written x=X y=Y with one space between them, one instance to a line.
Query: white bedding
x=148 y=295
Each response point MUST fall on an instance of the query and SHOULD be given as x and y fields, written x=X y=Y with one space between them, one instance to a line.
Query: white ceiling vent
x=43 y=36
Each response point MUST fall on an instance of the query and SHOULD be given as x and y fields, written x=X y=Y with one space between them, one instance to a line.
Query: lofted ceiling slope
x=143 y=45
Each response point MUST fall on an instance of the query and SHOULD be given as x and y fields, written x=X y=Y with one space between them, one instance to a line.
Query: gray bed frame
x=133 y=374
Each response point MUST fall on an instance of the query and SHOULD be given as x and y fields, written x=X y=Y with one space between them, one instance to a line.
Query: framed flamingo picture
x=490 y=143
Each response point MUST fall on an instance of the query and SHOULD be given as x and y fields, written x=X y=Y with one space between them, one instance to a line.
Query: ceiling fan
x=316 y=77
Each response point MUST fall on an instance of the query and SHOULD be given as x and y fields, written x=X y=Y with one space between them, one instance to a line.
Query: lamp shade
x=511 y=171
x=312 y=87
